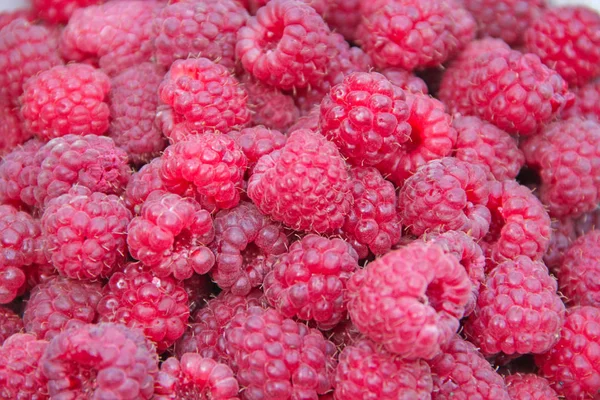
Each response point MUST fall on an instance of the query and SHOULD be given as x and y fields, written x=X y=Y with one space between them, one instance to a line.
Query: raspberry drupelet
x=12 y=132
x=258 y=141
x=577 y=275
x=18 y=175
x=529 y=387
x=20 y=371
x=10 y=323
x=587 y=102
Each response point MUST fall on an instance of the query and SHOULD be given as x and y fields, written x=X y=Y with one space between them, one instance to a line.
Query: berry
x=344 y=16
x=12 y=132
x=578 y=273
x=309 y=121
x=587 y=101
x=414 y=317
x=20 y=373
x=367 y=371
x=170 y=236
x=60 y=303
x=405 y=80
x=529 y=387
x=10 y=324
x=258 y=141
x=84 y=233
x=105 y=360
x=18 y=175
x=563 y=234
x=305 y=184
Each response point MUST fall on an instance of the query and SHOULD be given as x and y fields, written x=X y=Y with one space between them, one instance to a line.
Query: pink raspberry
x=258 y=141
x=18 y=175
x=405 y=80
x=566 y=156
x=61 y=303
x=20 y=371
x=529 y=387
x=365 y=370
x=85 y=233
x=12 y=131
x=344 y=16
x=494 y=150
x=59 y=11
x=10 y=324
x=561 y=238
x=170 y=236
x=103 y=361
x=133 y=105
x=577 y=275
x=461 y=372
x=587 y=102
x=414 y=317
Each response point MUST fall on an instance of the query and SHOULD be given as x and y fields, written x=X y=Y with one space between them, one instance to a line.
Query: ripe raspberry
x=405 y=80
x=373 y=224
x=90 y=161
x=529 y=387
x=273 y=45
x=12 y=131
x=567 y=157
x=59 y=11
x=587 y=102
x=20 y=373
x=170 y=236
x=461 y=372
x=578 y=273
x=494 y=150
x=195 y=377
x=412 y=317
x=204 y=29
x=344 y=16
x=367 y=371
x=283 y=356
x=10 y=323
x=258 y=141
x=563 y=234
x=305 y=184
x=60 y=303
x=18 y=175
x=133 y=105
x=115 y=35
x=105 y=360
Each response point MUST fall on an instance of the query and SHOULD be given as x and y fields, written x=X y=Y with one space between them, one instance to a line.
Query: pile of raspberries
x=299 y=200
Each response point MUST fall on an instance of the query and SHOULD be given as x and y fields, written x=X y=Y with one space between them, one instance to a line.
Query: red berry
x=529 y=387
x=587 y=101
x=344 y=16
x=8 y=16
x=10 y=324
x=18 y=175
x=20 y=371
x=258 y=141
x=309 y=121
x=577 y=275
x=12 y=131
x=563 y=234
x=405 y=80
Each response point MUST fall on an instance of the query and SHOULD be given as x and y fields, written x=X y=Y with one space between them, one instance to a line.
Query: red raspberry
x=60 y=303
x=205 y=29
x=494 y=150
x=274 y=356
x=461 y=372
x=273 y=45
x=405 y=80
x=105 y=360
x=579 y=270
x=412 y=317
x=133 y=105
x=10 y=323
x=20 y=373
x=563 y=234
x=170 y=236
x=115 y=35
x=344 y=16
x=18 y=175
x=305 y=184
x=195 y=377
x=587 y=102
x=567 y=157
x=367 y=371
x=258 y=141
x=529 y=387
x=309 y=121
x=373 y=224
x=12 y=131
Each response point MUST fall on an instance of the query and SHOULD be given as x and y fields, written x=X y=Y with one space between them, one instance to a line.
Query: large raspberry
x=18 y=175
x=413 y=317
x=578 y=274
x=60 y=303
x=10 y=323
x=20 y=372
x=12 y=131
x=106 y=360
x=171 y=234
x=258 y=141
x=529 y=387
x=587 y=102
x=405 y=80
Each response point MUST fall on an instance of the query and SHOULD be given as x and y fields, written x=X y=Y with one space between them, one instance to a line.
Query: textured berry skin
x=518 y=310
x=577 y=276
x=60 y=303
x=263 y=365
x=272 y=46
x=405 y=80
x=12 y=132
x=494 y=150
x=59 y=11
x=567 y=39
x=195 y=377
x=566 y=156
x=529 y=387
x=320 y=6
x=84 y=233
x=415 y=317
x=20 y=373
x=10 y=323
x=587 y=102
x=8 y=16
x=462 y=373
x=205 y=29
x=563 y=235
x=133 y=105
x=212 y=162
x=258 y=141
x=114 y=35
x=308 y=121
x=144 y=182
x=170 y=236
x=18 y=175
x=105 y=360
x=94 y=162
x=446 y=195
x=343 y=16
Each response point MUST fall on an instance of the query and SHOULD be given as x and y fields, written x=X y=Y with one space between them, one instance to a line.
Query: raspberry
x=367 y=371
x=18 y=175
x=105 y=360
x=414 y=317
x=85 y=232
x=20 y=374
x=195 y=377
x=12 y=132
x=446 y=195
x=305 y=184
x=205 y=29
x=90 y=161
x=36 y=274
x=114 y=35
x=258 y=141
x=133 y=105
x=344 y=16
x=529 y=387
x=481 y=143
x=587 y=101
x=405 y=80
x=10 y=324
x=274 y=356
x=461 y=372
x=373 y=224
x=563 y=234
x=60 y=303
x=170 y=236
x=578 y=273
x=205 y=95
x=273 y=45
x=309 y=121
x=567 y=157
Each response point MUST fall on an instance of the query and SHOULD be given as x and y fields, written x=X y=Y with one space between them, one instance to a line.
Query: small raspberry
x=12 y=130
x=405 y=80
x=562 y=236
x=258 y=141
x=18 y=175
x=10 y=323
x=59 y=11
x=170 y=236
x=20 y=373
x=529 y=387
x=60 y=303
x=344 y=16
x=587 y=102
x=412 y=317
x=577 y=275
